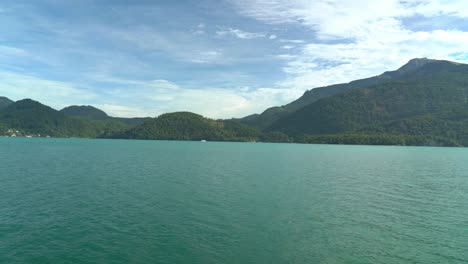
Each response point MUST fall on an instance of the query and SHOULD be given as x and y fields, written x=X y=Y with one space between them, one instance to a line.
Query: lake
x=117 y=201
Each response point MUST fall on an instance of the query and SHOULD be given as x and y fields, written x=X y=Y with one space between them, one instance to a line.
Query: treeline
x=379 y=139
x=446 y=128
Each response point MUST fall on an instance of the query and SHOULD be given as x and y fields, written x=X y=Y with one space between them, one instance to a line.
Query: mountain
x=92 y=113
x=4 y=102
x=190 y=126
x=85 y=111
x=425 y=102
x=31 y=117
x=35 y=118
x=271 y=115
x=421 y=99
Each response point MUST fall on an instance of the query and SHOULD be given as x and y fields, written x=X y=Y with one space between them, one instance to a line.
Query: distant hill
x=32 y=117
x=4 y=102
x=92 y=113
x=190 y=126
x=85 y=111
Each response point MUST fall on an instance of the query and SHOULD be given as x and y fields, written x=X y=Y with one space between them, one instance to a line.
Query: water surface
x=116 y=201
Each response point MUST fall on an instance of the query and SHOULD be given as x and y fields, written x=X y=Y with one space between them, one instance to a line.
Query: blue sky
x=222 y=59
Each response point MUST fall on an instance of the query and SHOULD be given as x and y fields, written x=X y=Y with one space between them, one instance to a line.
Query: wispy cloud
x=12 y=51
x=136 y=59
x=57 y=94
x=152 y=98
x=123 y=110
x=199 y=30
x=351 y=44
x=288 y=47
x=148 y=98
x=296 y=41
x=239 y=33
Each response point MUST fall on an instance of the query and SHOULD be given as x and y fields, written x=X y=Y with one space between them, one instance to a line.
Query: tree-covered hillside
x=273 y=114
x=425 y=102
x=92 y=113
x=422 y=102
x=31 y=117
x=190 y=126
x=85 y=111
x=4 y=102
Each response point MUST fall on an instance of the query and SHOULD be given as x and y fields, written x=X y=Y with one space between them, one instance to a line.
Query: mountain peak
x=29 y=105
x=420 y=61
x=414 y=64
x=85 y=111
x=4 y=102
x=27 y=102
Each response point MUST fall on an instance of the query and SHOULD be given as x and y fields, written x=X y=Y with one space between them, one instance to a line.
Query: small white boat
x=203 y=140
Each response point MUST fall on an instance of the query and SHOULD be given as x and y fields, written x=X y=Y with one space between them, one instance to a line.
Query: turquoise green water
x=112 y=201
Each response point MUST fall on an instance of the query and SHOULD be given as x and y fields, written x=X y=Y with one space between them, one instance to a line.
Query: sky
x=221 y=59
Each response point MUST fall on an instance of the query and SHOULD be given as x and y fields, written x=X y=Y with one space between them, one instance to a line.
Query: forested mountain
x=4 y=102
x=271 y=115
x=33 y=118
x=92 y=113
x=190 y=126
x=433 y=87
x=425 y=102
x=85 y=111
x=432 y=100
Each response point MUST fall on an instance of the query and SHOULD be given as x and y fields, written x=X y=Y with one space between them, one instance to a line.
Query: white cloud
x=366 y=57
x=296 y=41
x=181 y=46
x=286 y=56
x=207 y=57
x=441 y=7
x=239 y=33
x=352 y=44
x=288 y=47
x=300 y=67
x=54 y=93
x=162 y=84
x=152 y=98
x=6 y=51
x=329 y=18
x=346 y=40
x=225 y=103
x=199 y=30
x=122 y=111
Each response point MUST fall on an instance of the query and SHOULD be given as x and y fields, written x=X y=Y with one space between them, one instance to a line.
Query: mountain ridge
x=270 y=115
x=30 y=117
x=424 y=102
x=85 y=111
